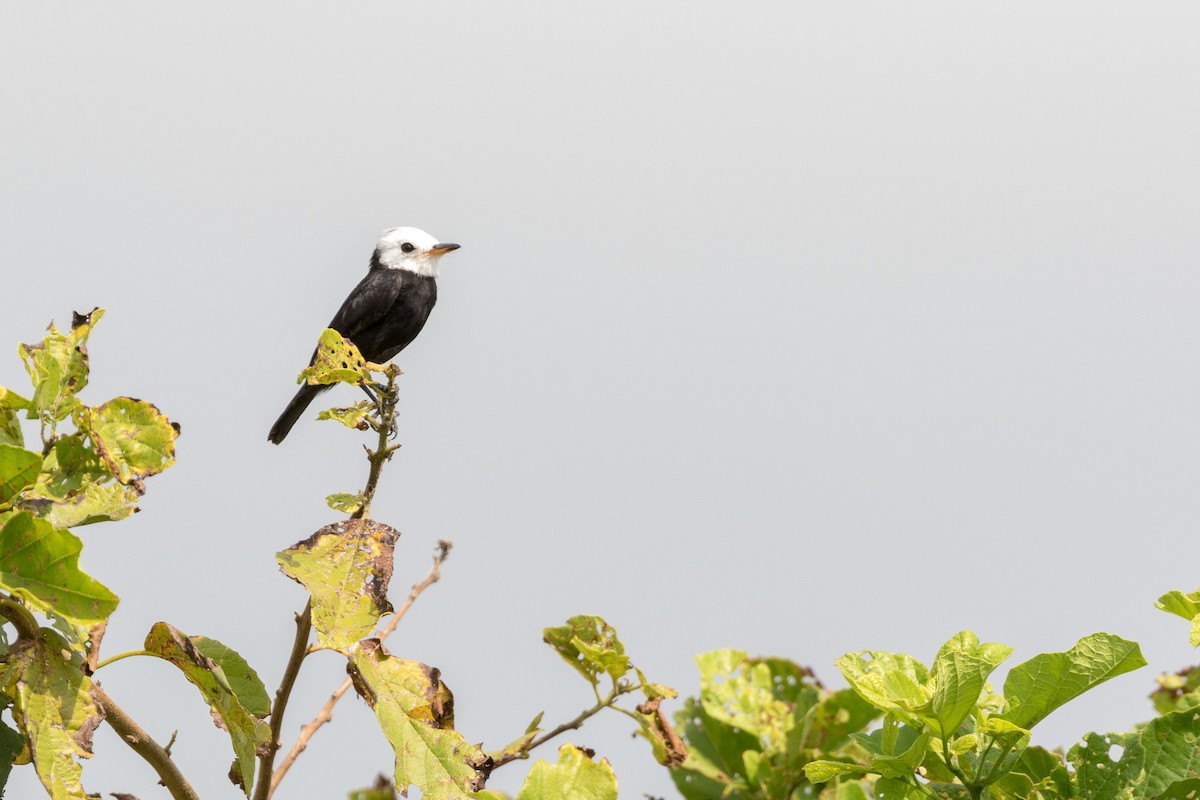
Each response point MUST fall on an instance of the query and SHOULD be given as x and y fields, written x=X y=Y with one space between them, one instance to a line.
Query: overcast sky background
x=800 y=328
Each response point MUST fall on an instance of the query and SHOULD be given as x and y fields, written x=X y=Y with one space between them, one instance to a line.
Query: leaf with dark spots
x=132 y=437
x=40 y=564
x=336 y=360
x=346 y=567
x=416 y=712
x=55 y=710
x=248 y=734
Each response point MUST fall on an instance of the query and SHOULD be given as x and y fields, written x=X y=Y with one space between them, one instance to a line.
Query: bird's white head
x=411 y=249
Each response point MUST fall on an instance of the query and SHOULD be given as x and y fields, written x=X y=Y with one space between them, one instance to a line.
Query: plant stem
x=326 y=713
x=127 y=654
x=574 y=724
x=144 y=746
x=386 y=406
x=266 y=762
x=16 y=613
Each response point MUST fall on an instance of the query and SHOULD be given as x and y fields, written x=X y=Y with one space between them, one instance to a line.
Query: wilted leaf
x=247 y=733
x=346 y=568
x=58 y=367
x=590 y=645
x=336 y=360
x=54 y=708
x=383 y=789
x=574 y=777
x=132 y=437
x=416 y=712
x=19 y=469
x=1043 y=683
x=354 y=416
x=40 y=564
x=241 y=677
x=669 y=750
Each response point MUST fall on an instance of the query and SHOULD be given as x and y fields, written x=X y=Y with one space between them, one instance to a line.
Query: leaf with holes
x=354 y=416
x=248 y=734
x=574 y=777
x=131 y=437
x=346 y=568
x=416 y=712
x=590 y=645
x=58 y=368
x=53 y=707
x=337 y=360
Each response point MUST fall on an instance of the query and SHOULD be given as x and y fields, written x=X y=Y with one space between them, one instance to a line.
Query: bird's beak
x=444 y=247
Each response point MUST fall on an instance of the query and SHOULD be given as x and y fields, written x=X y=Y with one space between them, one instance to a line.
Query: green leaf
x=345 y=502
x=1043 y=683
x=76 y=488
x=19 y=470
x=829 y=723
x=40 y=564
x=892 y=682
x=94 y=503
x=714 y=757
x=382 y=790
x=762 y=696
x=850 y=790
x=1181 y=790
x=957 y=678
x=58 y=368
x=590 y=645
x=1186 y=606
x=12 y=744
x=346 y=568
x=416 y=712
x=131 y=437
x=354 y=416
x=894 y=789
x=54 y=708
x=248 y=734
x=574 y=777
x=898 y=759
x=1037 y=769
x=10 y=423
x=239 y=676
x=825 y=771
x=336 y=360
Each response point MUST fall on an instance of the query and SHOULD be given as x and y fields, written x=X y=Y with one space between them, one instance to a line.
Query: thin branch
x=326 y=714
x=266 y=761
x=154 y=754
x=386 y=406
x=574 y=724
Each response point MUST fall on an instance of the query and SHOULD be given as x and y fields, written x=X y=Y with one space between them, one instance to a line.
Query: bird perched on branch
x=387 y=309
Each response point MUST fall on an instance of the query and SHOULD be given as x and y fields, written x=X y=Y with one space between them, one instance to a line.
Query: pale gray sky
x=801 y=328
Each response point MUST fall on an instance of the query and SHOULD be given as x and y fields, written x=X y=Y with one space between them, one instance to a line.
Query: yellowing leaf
x=132 y=437
x=53 y=707
x=346 y=568
x=416 y=712
x=248 y=734
x=574 y=777
x=336 y=360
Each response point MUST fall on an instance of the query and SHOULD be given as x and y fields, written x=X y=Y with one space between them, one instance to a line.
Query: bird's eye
x=407 y=247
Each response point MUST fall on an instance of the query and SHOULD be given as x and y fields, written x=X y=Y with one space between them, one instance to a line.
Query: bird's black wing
x=369 y=301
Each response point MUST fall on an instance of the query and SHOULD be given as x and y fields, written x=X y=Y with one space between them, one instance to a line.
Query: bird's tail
x=287 y=419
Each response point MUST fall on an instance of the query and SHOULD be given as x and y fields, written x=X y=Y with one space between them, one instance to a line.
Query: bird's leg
x=370 y=394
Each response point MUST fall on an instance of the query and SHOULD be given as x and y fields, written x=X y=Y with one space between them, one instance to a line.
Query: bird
x=385 y=311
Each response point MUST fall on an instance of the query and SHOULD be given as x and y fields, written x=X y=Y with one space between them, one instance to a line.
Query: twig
x=266 y=761
x=574 y=724
x=155 y=755
x=326 y=714
x=119 y=656
x=386 y=404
